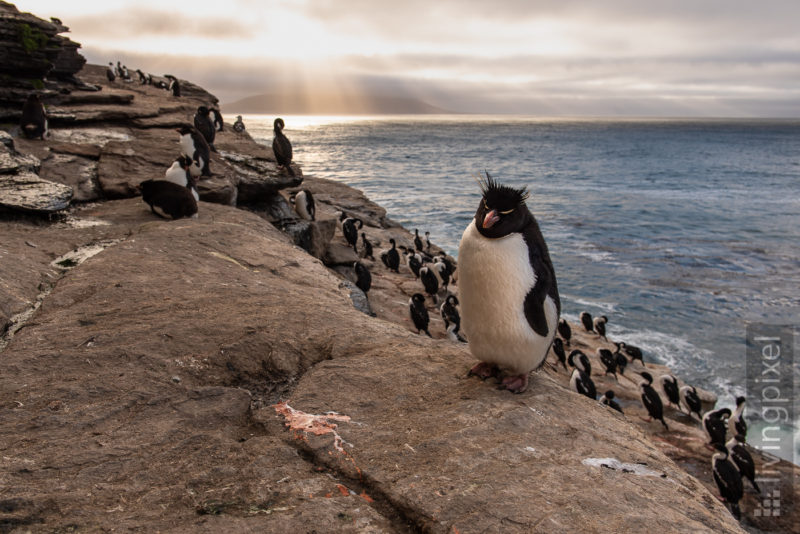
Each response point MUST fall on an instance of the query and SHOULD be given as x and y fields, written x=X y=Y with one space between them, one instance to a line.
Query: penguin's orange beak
x=491 y=218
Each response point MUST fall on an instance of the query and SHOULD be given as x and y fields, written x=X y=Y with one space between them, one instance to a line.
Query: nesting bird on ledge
x=282 y=147
x=509 y=296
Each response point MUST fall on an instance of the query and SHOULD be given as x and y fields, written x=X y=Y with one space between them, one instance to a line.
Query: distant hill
x=330 y=104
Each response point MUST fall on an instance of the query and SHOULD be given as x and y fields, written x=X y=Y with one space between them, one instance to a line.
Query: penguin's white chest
x=495 y=276
x=187 y=145
x=300 y=203
x=176 y=174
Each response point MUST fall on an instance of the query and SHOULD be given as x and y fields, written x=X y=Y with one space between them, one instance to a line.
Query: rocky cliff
x=219 y=374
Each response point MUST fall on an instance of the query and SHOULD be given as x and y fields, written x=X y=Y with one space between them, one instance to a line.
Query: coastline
x=153 y=372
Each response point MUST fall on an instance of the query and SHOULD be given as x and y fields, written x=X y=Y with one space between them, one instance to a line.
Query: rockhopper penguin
x=509 y=297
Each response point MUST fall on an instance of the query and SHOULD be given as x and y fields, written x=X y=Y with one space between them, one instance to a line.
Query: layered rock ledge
x=215 y=375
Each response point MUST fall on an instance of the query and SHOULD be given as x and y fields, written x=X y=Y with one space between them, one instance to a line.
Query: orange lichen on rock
x=313 y=424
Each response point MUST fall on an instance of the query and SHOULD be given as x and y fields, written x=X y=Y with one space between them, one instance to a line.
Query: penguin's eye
x=506 y=212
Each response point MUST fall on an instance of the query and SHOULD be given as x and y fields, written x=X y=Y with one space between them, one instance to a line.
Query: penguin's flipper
x=534 y=300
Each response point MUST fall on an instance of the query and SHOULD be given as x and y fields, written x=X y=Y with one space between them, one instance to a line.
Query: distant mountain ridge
x=332 y=104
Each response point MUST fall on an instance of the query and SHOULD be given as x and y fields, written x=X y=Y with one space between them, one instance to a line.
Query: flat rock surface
x=144 y=394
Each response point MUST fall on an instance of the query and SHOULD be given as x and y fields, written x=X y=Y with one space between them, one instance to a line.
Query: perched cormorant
x=564 y=330
x=737 y=424
x=366 y=251
x=634 y=353
x=742 y=459
x=414 y=262
x=238 y=125
x=728 y=479
x=600 y=326
x=204 y=125
x=691 y=400
x=282 y=147
x=451 y=318
x=430 y=281
x=558 y=350
x=609 y=361
x=650 y=399
x=586 y=321
x=418 y=312
x=417 y=240
x=581 y=382
x=392 y=257
x=714 y=425
x=350 y=228
x=670 y=386
x=578 y=359
x=363 y=278
x=608 y=400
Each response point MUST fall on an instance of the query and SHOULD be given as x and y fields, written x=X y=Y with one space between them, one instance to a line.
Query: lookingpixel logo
x=770 y=385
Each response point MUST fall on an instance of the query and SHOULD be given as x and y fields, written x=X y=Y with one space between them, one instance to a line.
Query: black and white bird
x=363 y=277
x=578 y=359
x=194 y=145
x=736 y=423
x=391 y=258
x=366 y=247
x=174 y=87
x=608 y=360
x=179 y=173
x=442 y=271
x=670 y=386
x=167 y=199
x=204 y=124
x=430 y=281
x=608 y=399
x=418 y=312
x=33 y=121
x=634 y=353
x=304 y=205
x=582 y=383
x=728 y=479
x=417 y=240
x=714 y=424
x=564 y=330
x=558 y=350
x=350 y=228
x=586 y=321
x=141 y=76
x=650 y=399
x=691 y=400
x=742 y=459
x=622 y=361
x=509 y=296
x=427 y=242
x=599 y=324
x=238 y=125
x=110 y=74
x=451 y=318
x=414 y=262
x=282 y=147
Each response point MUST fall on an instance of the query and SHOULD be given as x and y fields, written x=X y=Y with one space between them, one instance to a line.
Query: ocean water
x=680 y=231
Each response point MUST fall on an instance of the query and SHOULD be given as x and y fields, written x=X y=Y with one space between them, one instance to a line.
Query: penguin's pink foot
x=484 y=370
x=515 y=383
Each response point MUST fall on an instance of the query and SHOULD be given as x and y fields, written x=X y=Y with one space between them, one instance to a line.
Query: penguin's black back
x=175 y=200
x=419 y=314
x=204 y=125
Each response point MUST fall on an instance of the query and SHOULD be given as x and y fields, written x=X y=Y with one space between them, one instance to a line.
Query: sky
x=685 y=58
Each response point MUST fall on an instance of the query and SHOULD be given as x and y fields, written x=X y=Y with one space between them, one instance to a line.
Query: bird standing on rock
x=205 y=125
x=430 y=281
x=564 y=330
x=282 y=147
x=194 y=145
x=608 y=400
x=391 y=258
x=742 y=459
x=670 y=386
x=363 y=277
x=599 y=324
x=451 y=318
x=728 y=479
x=417 y=240
x=737 y=424
x=304 y=205
x=350 y=228
x=586 y=321
x=715 y=427
x=509 y=296
x=419 y=314
x=558 y=350
x=650 y=399
x=691 y=399
x=366 y=251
